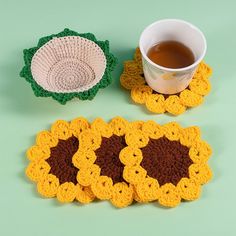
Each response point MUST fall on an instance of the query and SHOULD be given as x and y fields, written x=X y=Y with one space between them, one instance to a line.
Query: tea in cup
x=171 y=52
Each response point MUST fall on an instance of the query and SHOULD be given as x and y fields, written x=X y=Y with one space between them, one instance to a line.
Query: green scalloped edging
x=62 y=98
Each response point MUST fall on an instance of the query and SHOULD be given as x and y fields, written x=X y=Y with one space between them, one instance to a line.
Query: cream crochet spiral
x=68 y=64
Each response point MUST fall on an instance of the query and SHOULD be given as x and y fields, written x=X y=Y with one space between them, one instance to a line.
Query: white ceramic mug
x=166 y=80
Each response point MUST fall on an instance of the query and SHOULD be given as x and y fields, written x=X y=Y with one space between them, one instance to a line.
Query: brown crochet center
x=60 y=160
x=108 y=157
x=165 y=160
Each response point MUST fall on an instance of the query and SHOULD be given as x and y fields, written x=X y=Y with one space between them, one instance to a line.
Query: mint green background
x=22 y=115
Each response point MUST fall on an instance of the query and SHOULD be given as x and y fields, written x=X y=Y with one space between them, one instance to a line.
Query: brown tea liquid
x=171 y=54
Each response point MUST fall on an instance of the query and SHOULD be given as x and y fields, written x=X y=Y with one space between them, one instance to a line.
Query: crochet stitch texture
x=119 y=161
x=54 y=176
x=133 y=79
x=62 y=98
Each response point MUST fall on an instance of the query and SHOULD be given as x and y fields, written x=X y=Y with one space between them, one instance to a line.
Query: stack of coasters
x=133 y=79
x=68 y=65
x=119 y=161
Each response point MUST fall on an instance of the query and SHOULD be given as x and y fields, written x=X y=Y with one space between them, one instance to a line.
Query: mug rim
x=167 y=68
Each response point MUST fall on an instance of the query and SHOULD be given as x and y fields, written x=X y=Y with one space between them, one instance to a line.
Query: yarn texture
x=69 y=78
x=51 y=162
x=133 y=79
x=99 y=164
x=119 y=161
x=166 y=163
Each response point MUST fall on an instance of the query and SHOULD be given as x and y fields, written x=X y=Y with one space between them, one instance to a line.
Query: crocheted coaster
x=68 y=65
x=99 y=164
x=51 y=162
x=166 y=163
x=119 y=161
x=133 y=79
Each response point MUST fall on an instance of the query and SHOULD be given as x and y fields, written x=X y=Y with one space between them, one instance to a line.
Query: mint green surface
x=22 y=211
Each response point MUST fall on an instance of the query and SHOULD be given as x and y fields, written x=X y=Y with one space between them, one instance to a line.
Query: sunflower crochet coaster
x=99 y=163
x=133 y=79
x=166 y=163
x=68 y=65
x=51 y=162
x=119 y=161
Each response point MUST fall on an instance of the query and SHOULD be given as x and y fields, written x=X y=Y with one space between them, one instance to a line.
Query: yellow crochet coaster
x=51 y=162
x=166 y=163
x=119 y=161
x=133 y=79
x=99 y=164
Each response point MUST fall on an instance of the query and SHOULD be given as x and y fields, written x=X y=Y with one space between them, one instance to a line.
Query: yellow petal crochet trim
x=200 y=173
x=200 y=151
x=174 y=106
x=134 y=174
x=169 y=195
x=132 y=68
x=189 y=189
x=131 y=156
x=147 y=188
x=90 y=139
x=102 y=187
x=172 y=131
x=137 y=124
x=100 y=126
x=38 y=170
x=153 y=129
x=129 y=81
x=38 y=152
x=61 y=130
x=138 y=57
x=120 y=194
x=204 y=69
x=189 y=135
x=83 y=158
x=136 y=197
x=132 y=79
x=84 y=194
x=119 y=126
x=66 y=192
x=140 y=93
x=155 y=103
x=87 y=175
x=136 y=138
x=138 y=185
x=48 y=186
x=200 y=86
x=77 y=126
x=45 y=138
x=190 y=99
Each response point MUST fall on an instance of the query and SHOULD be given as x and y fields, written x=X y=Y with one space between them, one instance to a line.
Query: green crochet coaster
x=63 y=97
